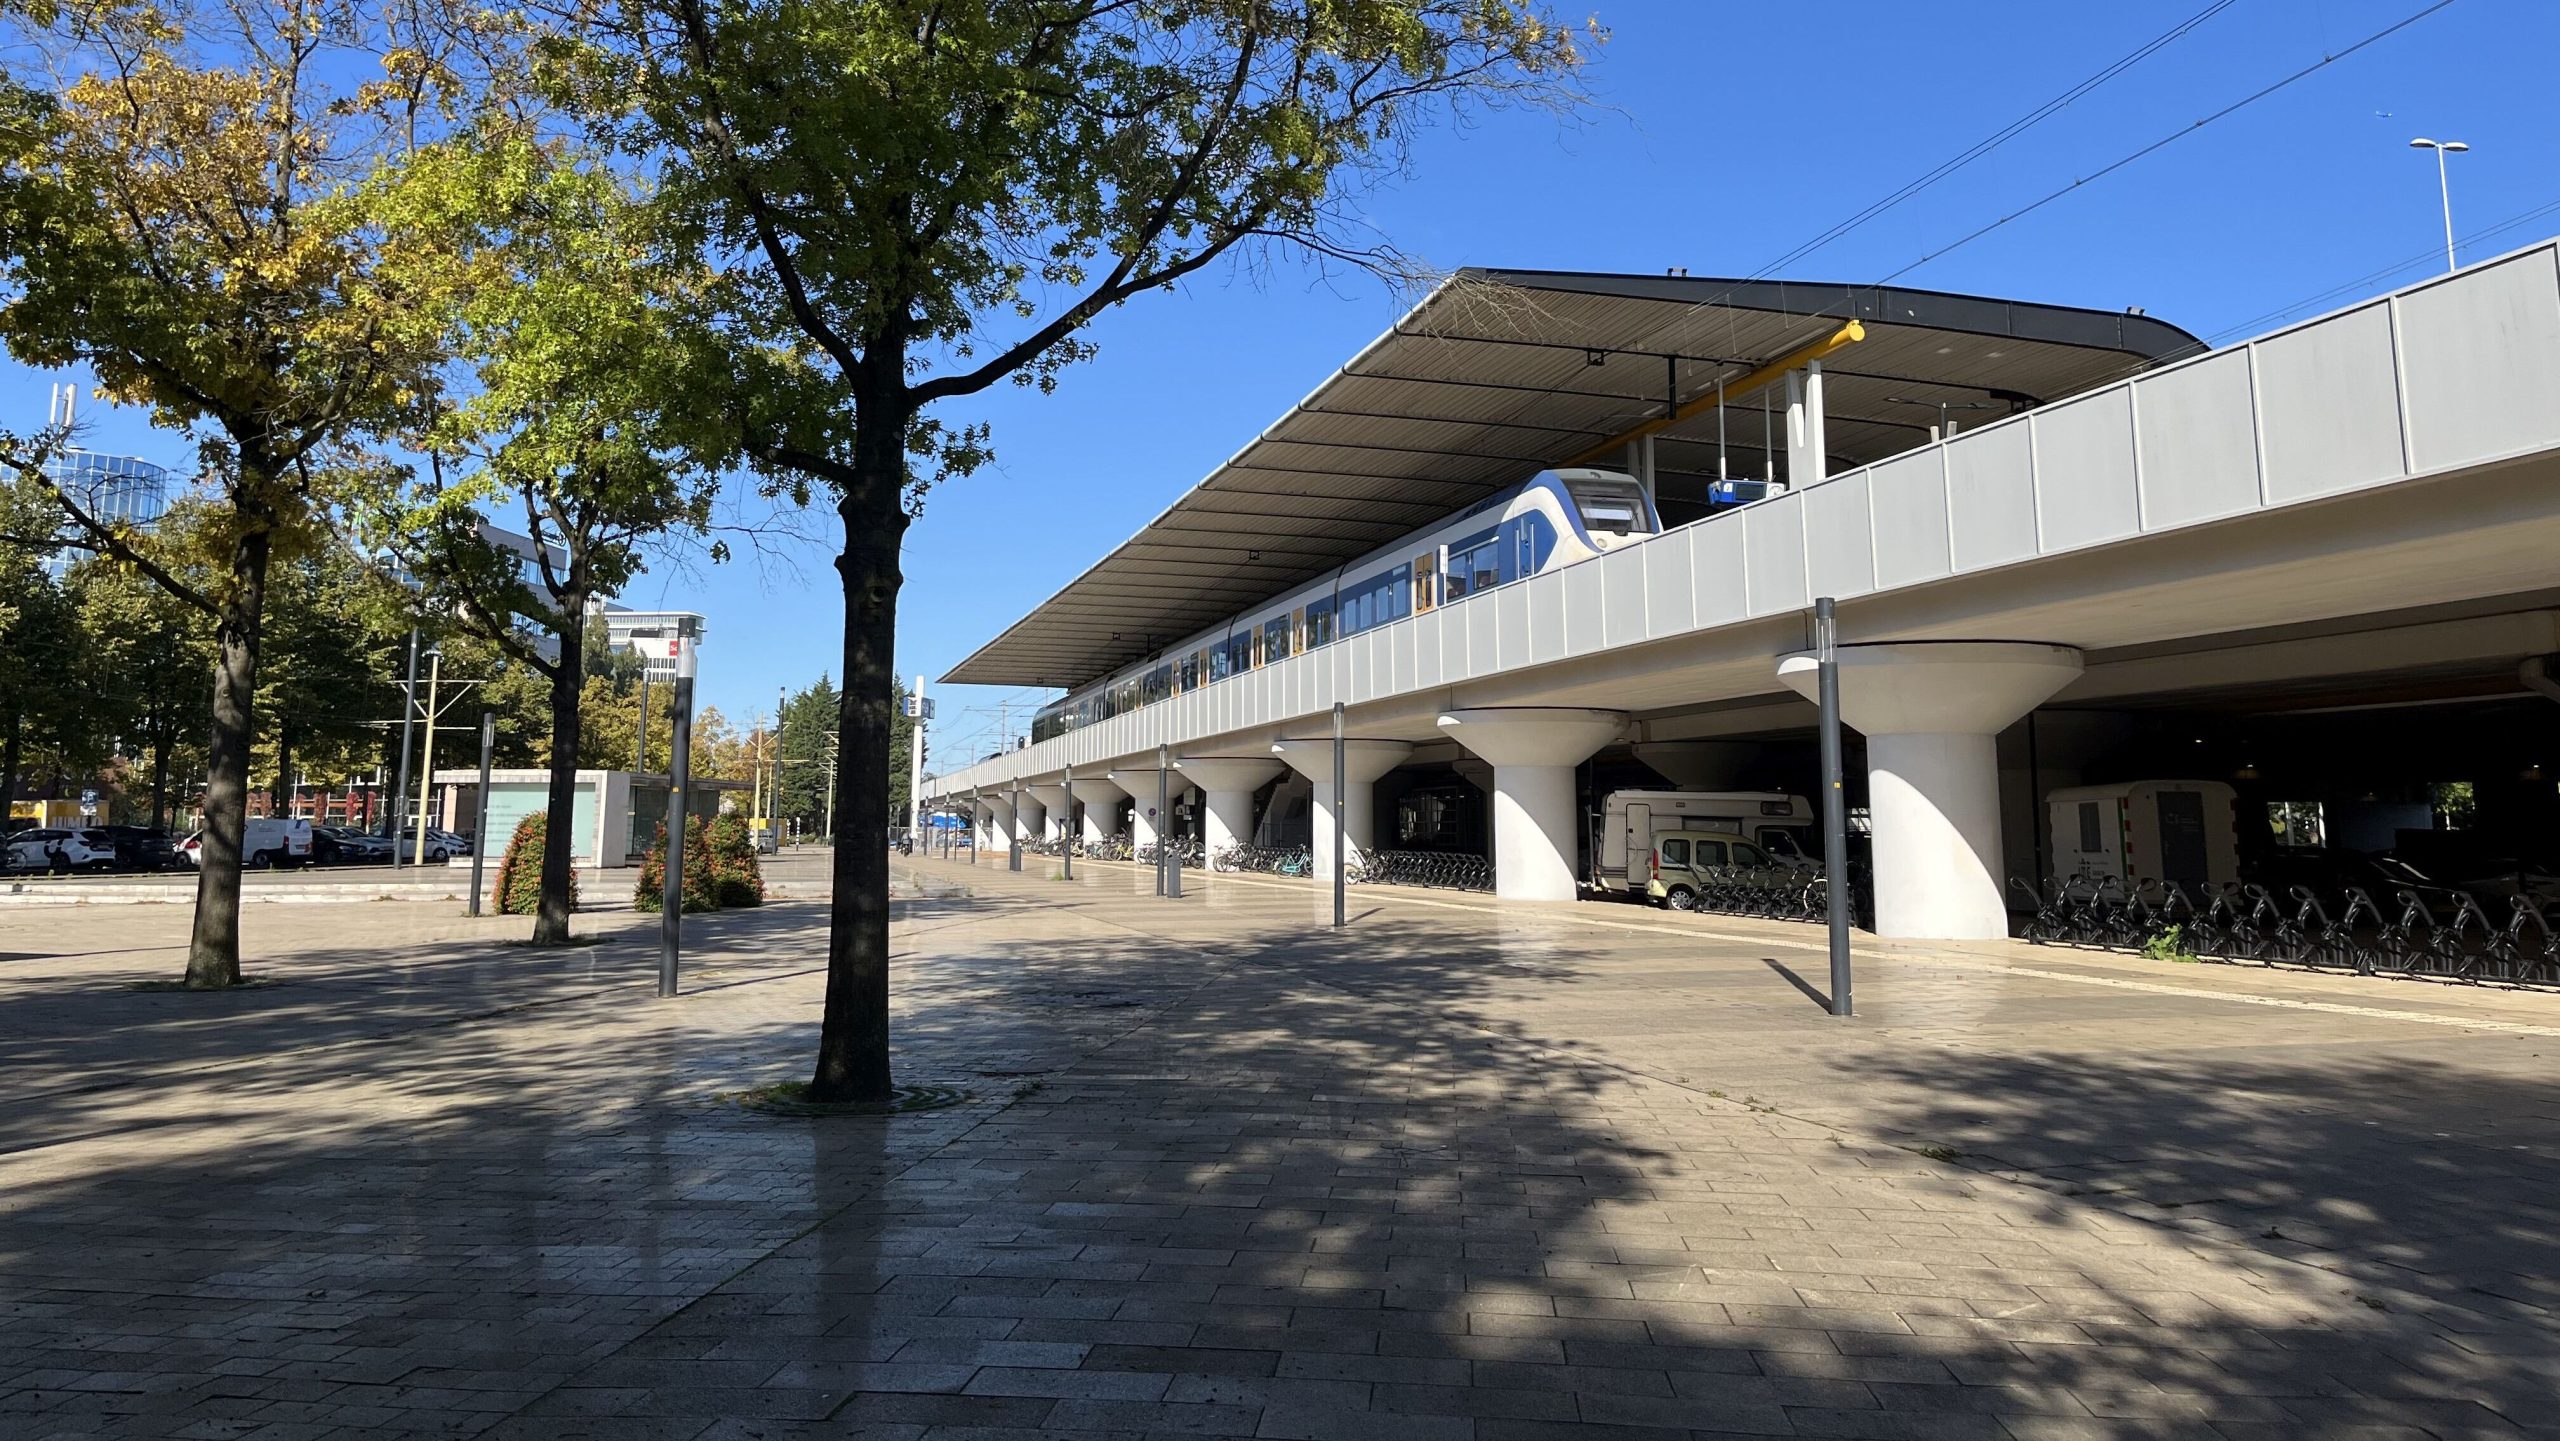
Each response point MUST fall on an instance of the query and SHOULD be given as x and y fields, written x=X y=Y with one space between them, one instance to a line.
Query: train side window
x=1525 y=552
x=1319 y=624
x=1275 y=639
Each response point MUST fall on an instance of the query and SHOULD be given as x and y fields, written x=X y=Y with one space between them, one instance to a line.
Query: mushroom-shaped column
x=1363 y=761
x=1029 y=816
x=1931 y=713
x=1099 y=797
x=1536 y=824
x=1057 y=810
x=1140 y=782
x=1229 y=783
x=999 y=813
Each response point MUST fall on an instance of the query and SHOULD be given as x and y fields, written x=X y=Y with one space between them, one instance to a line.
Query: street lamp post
x=2444 y=187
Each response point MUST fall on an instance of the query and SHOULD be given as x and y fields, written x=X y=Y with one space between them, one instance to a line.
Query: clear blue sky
x=1721 y=137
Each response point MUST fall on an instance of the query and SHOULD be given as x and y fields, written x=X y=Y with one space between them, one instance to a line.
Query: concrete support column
x=1932 y=714
x=1228 y=784
x=1057 y=809
x=1033 y=818
x=1363 y=761
x=1099 y=796
x=999 y=823
x=1140 y=783
x=1537 y=825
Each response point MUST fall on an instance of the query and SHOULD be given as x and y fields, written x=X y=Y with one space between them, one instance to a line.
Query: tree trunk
x=279 y=795
x=853 y=1039
x=559 y=826
x=159 y=777
x=213 y=950
x=9 y=756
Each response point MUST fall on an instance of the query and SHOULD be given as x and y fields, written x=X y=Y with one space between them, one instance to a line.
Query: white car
x=442 y=846
x=268 y=841
x=85 y=850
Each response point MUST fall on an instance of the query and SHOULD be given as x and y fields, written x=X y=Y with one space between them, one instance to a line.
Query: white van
x=2116 y=837
x=268 y=841
x=1632 y=823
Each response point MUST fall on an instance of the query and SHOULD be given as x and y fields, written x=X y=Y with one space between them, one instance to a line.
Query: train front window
x=1613 y=506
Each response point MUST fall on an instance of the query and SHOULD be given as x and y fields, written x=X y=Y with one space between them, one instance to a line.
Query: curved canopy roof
x=1498 y=374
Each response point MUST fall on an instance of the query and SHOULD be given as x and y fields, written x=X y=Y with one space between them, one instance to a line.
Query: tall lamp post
x=2444 y=187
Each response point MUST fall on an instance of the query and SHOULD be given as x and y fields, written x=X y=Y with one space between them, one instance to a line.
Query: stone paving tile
x=1471 y=1172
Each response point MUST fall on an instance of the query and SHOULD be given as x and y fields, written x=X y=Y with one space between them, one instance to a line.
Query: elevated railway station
x=1555 y=538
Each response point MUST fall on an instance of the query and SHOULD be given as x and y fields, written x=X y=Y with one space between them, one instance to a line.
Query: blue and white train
x=1556 y=518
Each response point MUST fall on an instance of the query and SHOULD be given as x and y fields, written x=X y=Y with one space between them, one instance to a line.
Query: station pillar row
x=1057 y=810
x=1099 y=796
x=1140 y=783
x=1536 y=815
x=999 y=822
x=1363 y=761
x=1931 y=714
x=1228 y=784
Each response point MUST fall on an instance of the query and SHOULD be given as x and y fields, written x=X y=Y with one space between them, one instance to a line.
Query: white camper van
x=2118 y=836
x=1778 y=826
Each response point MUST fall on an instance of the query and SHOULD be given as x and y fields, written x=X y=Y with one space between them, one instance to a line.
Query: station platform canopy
x=1498 y=374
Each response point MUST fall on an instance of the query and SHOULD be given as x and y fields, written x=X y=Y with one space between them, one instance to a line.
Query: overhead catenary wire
x=2372 y=278
x=1996 y=139
x=2323 y=63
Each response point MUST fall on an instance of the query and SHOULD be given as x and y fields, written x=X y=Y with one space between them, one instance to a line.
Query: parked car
x=2329 y=870
x=442 y=846
x=267 y=841
x=340 y=846
x=86 y=849
x=2493 y=880
x=142 y=848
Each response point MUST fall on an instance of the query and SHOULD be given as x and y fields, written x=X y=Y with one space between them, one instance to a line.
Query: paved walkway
x=1460 y=1171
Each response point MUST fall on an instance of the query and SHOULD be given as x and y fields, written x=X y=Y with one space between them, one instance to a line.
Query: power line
x=2323 y=63
x=1996 y=139
x=2376 y=277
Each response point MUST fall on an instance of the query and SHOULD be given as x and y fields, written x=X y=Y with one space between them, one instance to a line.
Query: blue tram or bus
x=1556 y=518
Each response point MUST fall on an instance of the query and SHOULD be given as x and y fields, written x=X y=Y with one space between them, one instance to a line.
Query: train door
x=1426 y=578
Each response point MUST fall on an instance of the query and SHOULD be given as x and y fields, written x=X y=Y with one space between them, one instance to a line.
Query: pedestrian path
x=1473 y=1171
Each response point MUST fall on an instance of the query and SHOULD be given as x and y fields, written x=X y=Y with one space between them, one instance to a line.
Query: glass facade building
x=110 y=487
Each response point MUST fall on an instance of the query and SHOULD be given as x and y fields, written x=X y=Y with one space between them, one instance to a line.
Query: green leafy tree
x=335 y=650
x=178 y=214
x=557 y=289
x=153 y=666
x=806 y=740
x=43 y=704
x=922 y=200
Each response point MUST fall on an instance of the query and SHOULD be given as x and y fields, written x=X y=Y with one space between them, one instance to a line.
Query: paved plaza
x=1459 y=1171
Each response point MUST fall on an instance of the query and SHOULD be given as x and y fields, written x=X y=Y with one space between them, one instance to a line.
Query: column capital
x=1364 y=759
x=1965 y=687
x=1533 y=735
x=1228 y=773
